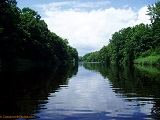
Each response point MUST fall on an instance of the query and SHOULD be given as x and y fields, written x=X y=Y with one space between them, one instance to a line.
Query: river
x=89 y=91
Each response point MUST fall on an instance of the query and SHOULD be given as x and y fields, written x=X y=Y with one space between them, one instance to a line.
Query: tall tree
x=154 y=13
x=8 y=28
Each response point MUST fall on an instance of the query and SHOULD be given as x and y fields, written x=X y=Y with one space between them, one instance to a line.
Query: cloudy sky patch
x=88 y=25
x=88 y=31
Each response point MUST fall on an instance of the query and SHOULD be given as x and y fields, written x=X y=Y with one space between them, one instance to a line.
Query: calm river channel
x=89 y=91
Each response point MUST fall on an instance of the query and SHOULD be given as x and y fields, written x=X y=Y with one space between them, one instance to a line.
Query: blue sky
x=89 y=24
x=112 y=3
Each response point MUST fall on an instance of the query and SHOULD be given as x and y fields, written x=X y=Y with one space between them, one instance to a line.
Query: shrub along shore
x=149 y=60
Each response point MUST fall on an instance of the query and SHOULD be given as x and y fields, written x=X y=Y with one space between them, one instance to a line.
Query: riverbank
x=149 y=60
x=33 y=63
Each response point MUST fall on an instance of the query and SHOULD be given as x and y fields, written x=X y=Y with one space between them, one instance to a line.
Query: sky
x=89 y=24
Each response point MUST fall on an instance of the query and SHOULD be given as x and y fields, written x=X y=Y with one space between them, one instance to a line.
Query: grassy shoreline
x=149 y=60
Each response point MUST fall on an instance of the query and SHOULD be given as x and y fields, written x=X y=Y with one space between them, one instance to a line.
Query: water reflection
x=138 y=85
x=99 y=91
x=92 y=91
x=24 y=90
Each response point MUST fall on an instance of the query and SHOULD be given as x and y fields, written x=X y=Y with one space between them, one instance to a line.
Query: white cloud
x=142 y=17
x=88 y=31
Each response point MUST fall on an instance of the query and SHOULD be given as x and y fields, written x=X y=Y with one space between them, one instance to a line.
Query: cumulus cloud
x=142 y=17
x=89 y=30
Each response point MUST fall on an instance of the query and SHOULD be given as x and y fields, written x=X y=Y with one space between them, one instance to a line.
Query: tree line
x=131 y=43
x=23 y=34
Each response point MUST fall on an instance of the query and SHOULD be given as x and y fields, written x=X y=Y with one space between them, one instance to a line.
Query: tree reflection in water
x=24 y=90
x=134 y=83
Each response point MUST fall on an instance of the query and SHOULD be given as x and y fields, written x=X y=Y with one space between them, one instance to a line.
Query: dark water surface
x=90 y=91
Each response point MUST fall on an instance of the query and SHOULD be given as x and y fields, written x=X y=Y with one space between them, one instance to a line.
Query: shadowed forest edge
x=26 y=39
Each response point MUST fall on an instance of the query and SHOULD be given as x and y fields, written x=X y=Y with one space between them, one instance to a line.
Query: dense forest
x=24 y=36
x=138 y=44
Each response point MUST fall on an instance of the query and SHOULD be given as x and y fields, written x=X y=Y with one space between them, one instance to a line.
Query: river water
x=89 y=91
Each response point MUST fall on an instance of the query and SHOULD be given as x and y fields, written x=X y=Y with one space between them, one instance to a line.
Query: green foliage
x=9 y=19
x=91 y=57
x=149 y=60
x=120 y=49
x=132 y=43
x=73 y=54
x=24 y=35
x=154 y=13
